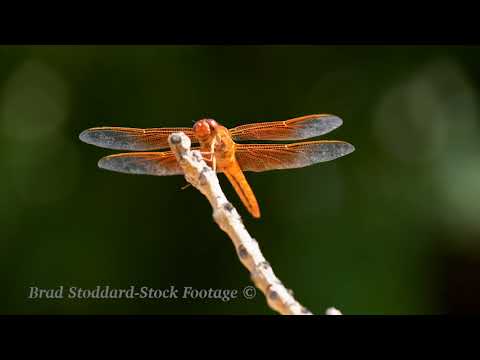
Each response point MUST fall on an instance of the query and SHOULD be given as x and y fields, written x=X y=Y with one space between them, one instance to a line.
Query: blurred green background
x=392 y=228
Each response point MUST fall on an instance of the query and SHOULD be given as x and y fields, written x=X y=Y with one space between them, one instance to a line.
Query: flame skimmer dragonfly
x=220 y=150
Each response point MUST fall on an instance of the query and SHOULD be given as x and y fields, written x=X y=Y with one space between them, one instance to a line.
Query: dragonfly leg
x=185 y=186
x=214 y=159
x=210 y=158
x=207 y=155
x=214 y=164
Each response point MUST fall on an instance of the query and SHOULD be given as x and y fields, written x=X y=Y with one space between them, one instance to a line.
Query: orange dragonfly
x=220 y=150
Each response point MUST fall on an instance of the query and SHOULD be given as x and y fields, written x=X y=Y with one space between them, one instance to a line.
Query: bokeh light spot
x=33 y=103
x=414 y=119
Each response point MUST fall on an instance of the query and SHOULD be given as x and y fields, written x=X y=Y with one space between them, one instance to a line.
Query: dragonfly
x=219 y=148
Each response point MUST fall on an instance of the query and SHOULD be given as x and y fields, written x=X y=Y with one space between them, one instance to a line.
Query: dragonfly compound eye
x=212 y=123
x=203 y=128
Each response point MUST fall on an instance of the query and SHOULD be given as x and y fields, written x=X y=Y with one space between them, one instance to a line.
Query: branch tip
x=175 y=139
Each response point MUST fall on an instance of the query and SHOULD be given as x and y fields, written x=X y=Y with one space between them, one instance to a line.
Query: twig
x=201 y=176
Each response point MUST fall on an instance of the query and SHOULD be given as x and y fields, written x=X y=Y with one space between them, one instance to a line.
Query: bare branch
x=201 y=176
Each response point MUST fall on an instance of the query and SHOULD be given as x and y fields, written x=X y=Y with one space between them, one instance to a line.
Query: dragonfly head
x=205 y=128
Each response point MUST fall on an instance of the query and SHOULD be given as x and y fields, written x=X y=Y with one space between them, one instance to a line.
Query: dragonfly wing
x=265 y=157
x=145 y=163
x=304 y=127
x=121 y=138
